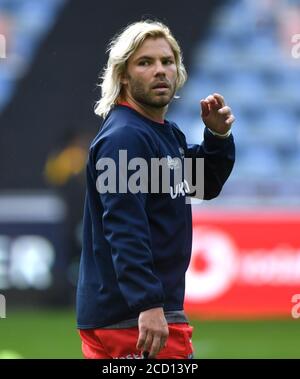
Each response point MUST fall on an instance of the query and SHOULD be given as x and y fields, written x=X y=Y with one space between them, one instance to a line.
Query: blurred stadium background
x=246 y=250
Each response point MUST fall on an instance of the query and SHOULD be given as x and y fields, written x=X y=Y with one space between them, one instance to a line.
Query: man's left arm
x=217 y=148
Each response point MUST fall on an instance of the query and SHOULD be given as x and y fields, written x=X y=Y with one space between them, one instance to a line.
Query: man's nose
x=160 y=68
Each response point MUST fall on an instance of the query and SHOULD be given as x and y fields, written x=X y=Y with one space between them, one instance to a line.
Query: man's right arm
x=126 y=228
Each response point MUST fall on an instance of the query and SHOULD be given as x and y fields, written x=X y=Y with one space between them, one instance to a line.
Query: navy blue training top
x=137 y=246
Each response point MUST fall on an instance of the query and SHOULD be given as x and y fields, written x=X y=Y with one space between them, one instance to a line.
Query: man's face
x=150 y=78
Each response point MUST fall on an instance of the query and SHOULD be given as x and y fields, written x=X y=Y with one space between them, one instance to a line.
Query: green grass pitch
x=52 y=334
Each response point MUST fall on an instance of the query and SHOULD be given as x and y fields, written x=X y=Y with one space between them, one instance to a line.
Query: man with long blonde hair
x=137 y=241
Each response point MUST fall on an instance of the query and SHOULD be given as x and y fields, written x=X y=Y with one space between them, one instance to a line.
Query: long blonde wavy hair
x=120 y=50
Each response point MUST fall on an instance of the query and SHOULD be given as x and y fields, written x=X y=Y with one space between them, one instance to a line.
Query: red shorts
x=121 y=343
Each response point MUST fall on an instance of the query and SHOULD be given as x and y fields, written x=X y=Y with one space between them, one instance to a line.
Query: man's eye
x=144 y=63
x=169 y=61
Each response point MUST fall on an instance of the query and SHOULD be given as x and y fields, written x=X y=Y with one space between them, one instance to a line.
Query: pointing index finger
x=220 y=99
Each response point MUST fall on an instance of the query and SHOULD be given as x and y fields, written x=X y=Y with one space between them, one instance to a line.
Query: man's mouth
x=160 y=85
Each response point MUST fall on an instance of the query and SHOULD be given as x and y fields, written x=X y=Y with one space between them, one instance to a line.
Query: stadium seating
x=242 y=58
x=28 y=22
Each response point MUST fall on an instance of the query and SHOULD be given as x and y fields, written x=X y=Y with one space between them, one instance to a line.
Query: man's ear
x=124 y=79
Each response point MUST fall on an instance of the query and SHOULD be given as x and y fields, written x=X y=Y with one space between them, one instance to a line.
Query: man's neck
x=154 y=114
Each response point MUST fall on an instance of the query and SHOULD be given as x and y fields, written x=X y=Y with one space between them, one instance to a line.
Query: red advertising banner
x=244 y=264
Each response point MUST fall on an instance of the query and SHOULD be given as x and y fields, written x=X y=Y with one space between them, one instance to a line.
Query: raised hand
x=216 y=115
